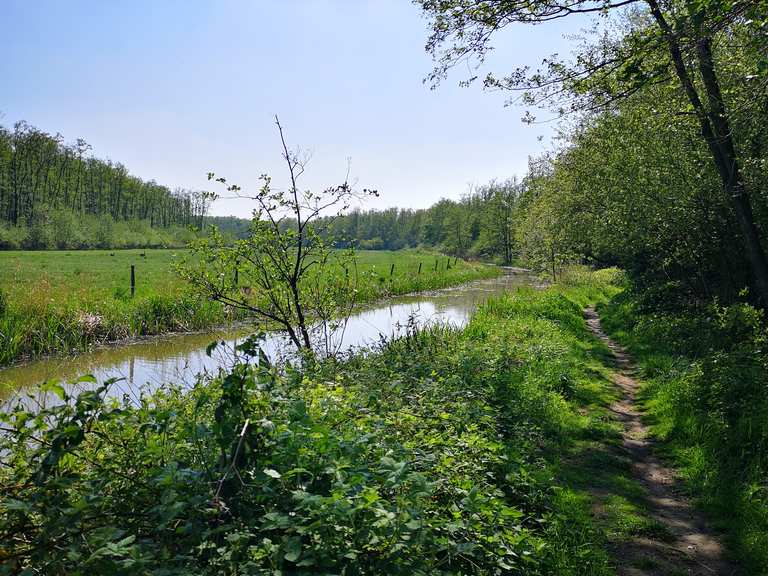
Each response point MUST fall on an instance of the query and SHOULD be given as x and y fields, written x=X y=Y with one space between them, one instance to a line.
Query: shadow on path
x=685 y=544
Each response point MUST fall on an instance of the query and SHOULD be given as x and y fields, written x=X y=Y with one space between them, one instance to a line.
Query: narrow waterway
x=181 y=358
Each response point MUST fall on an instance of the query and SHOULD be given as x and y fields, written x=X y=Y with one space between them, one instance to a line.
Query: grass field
x=63 y=301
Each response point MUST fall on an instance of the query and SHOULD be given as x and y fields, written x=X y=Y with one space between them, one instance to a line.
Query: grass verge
x=705 y=396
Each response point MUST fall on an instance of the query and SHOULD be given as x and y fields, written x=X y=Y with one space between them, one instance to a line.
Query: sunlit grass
x=63 y=301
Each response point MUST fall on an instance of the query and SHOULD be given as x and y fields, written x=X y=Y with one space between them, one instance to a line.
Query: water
x=182 y=358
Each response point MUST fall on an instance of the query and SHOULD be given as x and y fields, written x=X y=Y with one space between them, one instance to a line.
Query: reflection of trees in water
x=180 y=358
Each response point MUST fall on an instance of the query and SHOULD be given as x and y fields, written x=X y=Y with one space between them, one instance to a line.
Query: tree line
x=479 y=225
x=662 y=164
x=45 y=181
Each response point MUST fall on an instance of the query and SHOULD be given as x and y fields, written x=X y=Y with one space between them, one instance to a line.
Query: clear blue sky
x=174 y=89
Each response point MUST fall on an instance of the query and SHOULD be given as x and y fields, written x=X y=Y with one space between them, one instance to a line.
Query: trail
x=693 y=548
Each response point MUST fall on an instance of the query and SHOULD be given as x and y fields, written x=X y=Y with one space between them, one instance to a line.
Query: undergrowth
x=435 y=453
x=705 y=372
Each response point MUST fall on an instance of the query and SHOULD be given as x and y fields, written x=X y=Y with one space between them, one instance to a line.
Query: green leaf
x=414 y=524
x=293 y=549
x=17 y=505
x=55 y=387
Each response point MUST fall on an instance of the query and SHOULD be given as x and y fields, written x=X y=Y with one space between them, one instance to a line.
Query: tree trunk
x=716 y=131
x=721 y=143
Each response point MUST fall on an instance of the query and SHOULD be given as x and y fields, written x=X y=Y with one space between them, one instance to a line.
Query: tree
x=671 y=43
x=286 y=271
x=40 y=177
x=495 y=208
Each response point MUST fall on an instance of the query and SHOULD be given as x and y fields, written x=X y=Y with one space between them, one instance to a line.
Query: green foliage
x=65 y=230
x=480 y=225
x=706 y=372
x=429 y=454
x=55 y=195
x=662 y=165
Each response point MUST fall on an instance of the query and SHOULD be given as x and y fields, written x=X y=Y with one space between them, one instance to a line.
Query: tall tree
x=654 y=43
x=41 y=176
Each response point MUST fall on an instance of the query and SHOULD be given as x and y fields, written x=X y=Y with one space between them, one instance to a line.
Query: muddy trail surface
x=690 y=546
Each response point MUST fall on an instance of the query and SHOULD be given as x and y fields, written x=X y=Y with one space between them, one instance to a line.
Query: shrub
x=424 y=455
x=13 y=237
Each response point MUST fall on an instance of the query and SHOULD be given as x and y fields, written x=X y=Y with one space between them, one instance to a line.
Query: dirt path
x=691 y=548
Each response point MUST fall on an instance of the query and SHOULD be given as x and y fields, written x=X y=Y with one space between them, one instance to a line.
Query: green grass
x=704 y=393
x=86 y=276
x=64 y=301
x=441 y=452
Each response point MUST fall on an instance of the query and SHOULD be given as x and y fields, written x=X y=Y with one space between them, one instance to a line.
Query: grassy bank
x=705 y=394
x=438 y=453
x=58 y=302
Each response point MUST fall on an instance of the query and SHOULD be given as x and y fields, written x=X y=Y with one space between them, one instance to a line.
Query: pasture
x=64 y=301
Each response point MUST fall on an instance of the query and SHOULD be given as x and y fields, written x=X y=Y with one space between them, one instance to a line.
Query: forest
x=55 y=194
x=480 y=225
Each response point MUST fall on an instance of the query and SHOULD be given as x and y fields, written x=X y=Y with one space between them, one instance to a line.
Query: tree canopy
x=692 y=54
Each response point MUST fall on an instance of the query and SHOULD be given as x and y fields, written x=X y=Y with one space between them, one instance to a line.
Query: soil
x=690 y=547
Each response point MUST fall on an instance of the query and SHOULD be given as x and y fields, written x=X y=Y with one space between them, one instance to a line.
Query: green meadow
x=64 y=301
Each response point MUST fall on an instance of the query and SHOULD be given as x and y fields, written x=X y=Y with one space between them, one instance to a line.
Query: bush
x=13 y=237
x=66 y=230
x=41 y=236
x=68 y=234
x=425 y=455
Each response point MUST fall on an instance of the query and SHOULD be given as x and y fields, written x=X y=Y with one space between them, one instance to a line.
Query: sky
x=177 y=89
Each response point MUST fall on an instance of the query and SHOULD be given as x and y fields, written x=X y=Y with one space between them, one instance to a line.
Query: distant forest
x=57 y=195
x=481 y=225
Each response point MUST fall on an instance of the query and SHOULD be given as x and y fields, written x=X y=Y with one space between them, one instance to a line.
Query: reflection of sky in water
x=181 y=358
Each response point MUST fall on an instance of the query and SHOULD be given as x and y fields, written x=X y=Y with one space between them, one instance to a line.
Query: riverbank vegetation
x=60 y=302
x=445 y=451
x=436 y=453
x=661 y=170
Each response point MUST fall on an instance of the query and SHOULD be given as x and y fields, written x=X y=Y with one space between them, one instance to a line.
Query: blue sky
x=175 y=89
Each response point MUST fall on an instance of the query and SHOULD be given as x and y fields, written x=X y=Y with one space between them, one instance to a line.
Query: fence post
x=392 y=270
x=419 y=267
x=448 y=264
x=133 y=280
x=436 y=262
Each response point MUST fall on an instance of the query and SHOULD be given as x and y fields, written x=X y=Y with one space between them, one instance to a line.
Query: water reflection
x=182 y=358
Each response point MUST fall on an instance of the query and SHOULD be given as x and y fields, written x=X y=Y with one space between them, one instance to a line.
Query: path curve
x=694 y=549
